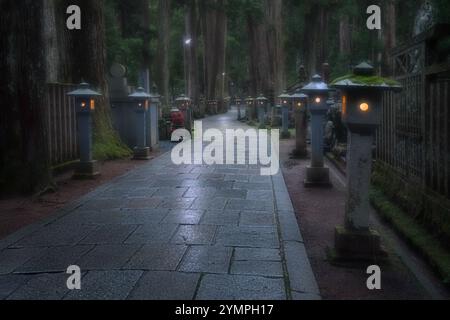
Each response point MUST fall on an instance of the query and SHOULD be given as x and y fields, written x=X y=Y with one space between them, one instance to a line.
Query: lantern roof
x=262 y=98
x=249 y=98
x=84 y=90
x=298 y=95
x=140 y=94
x=364 y=76
x=182 y=98
x=284 y=95
x=316 y=86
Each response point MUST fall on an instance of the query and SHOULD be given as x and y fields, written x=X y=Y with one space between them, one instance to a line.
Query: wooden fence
x=62 y=125
x=414 y=137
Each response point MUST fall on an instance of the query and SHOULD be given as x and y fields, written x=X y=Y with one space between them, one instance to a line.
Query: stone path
x=167 y=232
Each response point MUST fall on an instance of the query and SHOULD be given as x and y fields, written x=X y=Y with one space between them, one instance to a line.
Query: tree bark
x=389 y=35
x=214 y=30
x=24 y=158
x=191 y=22
x=162 y=74
x=89 y=64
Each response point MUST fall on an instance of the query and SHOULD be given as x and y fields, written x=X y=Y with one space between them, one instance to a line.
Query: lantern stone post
x=238 y=105
x=153 y=113
x=285 y=102
x=140 y=100
x=261 y=105
x=87 y=168
x=183 y=103
x=317 y=175
x=300 y=103
x=361 y=114
x=249 y=111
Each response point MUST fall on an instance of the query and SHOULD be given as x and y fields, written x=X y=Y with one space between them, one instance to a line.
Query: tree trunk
x=389 y=35
x=162 y=74
x=89 y=64
x=315 y=41
x=191 y=21
x=345 y=36
x=24 y=158
x=214 y=27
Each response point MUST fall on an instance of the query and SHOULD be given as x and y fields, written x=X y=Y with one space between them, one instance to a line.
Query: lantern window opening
x=364 y=107
x=344 y=105
x=92 y=104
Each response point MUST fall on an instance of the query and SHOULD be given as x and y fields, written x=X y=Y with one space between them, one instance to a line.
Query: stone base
x=86 y=170
x=141 y=154
x=355 y=246
x=318 y=177
x=299 y=154
x=285 y=135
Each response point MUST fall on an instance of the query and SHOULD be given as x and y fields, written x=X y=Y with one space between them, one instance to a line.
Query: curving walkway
x=168 y=232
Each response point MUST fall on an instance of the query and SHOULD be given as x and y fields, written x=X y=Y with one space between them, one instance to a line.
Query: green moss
x=108 y=146
x=367 y=80
x=427 y=208
x=416 y=235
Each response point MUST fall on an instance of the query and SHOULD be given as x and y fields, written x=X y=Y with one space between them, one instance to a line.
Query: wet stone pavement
x=167 y=232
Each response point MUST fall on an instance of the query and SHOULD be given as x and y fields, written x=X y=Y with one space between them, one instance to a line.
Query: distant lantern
x=300 y=102
x=285 y=102
x=361 y=97
x=141 y=99
x=262 y=103
x=85 y=106
x=362 y=93
x=185 y=105
x=318 y=91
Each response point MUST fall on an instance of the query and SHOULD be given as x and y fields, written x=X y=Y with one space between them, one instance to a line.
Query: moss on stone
x=367 y=80
x=418 y=236
x=108 y=146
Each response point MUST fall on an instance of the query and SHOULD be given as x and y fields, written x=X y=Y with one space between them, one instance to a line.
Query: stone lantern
x=300 y=104
x=87 y=168
x=250 y=104
x=317 y=174
x=361 y=114
x=238 y=102
x=261 y=105
x=212 y=106
x=153 y=129
x=184 y=104
x=141 y=101
x=285 y=103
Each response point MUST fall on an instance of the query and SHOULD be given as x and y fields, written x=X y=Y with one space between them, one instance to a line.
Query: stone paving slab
x=54 y=259
x=42 y=287
x=108 y=257
x=207 y=259
x=164 y=231
x=157 y=258
x=233 y=287
x=258 y=268
x=162 y=285
x=106 y=285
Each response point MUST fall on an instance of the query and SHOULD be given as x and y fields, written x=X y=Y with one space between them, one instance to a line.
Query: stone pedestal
x=355 y=240
x=300 y=135
x=86 y=170
x=318 y=177
x=285 y=134
x=357 y=245
x=141 y=153
x=317 y=174
x=261 y=117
